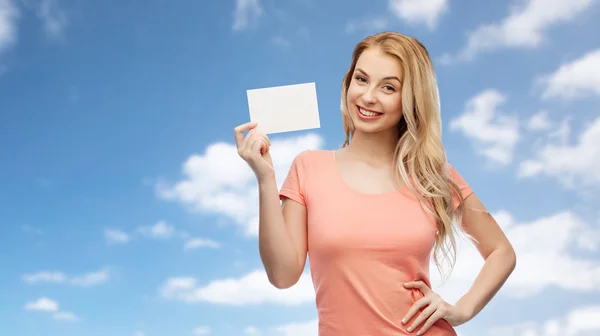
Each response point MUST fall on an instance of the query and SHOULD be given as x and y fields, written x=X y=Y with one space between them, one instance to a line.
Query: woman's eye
x=389 y=88
x=359 y=79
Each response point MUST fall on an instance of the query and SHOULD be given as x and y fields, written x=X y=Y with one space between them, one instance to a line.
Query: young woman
x=369 y=214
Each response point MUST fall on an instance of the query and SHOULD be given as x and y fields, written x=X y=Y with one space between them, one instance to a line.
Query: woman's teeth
x=368 y=113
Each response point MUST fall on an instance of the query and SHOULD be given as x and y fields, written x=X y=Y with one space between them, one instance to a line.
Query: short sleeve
x=463 y=186
x=293 y=185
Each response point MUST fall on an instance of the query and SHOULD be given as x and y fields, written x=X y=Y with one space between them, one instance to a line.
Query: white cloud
x=252 y=331
x=116 y=236
x=65 y=316
x=573 y=165
x=201 y=331
x=369 y=24
x=86 y=280
x=47 y=305
x=246 y=11
x=51 y=277
x=494 y=133
x=53 y=18
x=220 y=182
x=426 y=12
x=524 y=27
x=582 y=321
x=251 y=289
x=576 y=79
x=160 y=230
x=42 y=304
x=299 y=329
x=91 y=279
x=195 y=243
x=539 y=122
x=163 y=230
x=548 y=255
x=8 y=24
x=291 y=329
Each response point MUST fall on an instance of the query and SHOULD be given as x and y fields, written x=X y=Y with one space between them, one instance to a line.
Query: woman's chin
x=369 y=129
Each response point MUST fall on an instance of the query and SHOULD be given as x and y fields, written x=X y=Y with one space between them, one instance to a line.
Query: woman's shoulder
x=312 y=156
x=311 y=161
x=305 y=170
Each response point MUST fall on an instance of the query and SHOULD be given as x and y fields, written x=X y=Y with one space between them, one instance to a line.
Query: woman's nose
x=368 y=97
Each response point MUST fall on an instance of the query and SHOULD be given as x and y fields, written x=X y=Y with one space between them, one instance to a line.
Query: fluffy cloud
x=291 y=329
x=116 y=236
x=86 y=280
x=299 y=329
x=539 y=122
x=220 y=182
x=246 y=12
x=250 y=289
x=495 y=133
x=195 y=243
x=426 y=12
x=54 y=18
x=65 y=316
x=524 y=27
x=573 y=165
x=48 y=305
x=198 y=331
x=160 y=230
x=576 y=79
x=548 y=252
x=581 y=322
x=42 y=304
x=8 y=26
x=251 y=331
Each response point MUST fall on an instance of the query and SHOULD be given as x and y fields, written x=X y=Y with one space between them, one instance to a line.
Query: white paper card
x=284 y=108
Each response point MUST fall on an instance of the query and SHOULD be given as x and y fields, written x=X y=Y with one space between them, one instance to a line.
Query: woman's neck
x=374 y=148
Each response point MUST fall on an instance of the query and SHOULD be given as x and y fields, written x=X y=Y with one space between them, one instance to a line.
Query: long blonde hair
x=419 y=154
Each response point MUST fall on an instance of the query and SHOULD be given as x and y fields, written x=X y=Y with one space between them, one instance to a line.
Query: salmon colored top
x=362 y=248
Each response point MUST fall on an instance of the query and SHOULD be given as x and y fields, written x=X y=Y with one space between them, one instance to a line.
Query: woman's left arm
x=500 y=261
x=496 y=250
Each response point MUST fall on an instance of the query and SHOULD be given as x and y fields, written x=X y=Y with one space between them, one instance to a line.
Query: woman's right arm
x=282 y=233
x=282 y=236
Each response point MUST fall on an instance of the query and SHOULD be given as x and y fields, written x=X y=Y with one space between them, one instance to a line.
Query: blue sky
x=126 y=210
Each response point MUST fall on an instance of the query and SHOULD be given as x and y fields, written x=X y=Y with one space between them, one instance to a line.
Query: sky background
x=126 y=211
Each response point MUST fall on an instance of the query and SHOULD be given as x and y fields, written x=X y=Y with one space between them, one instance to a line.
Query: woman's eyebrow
x=388 y=77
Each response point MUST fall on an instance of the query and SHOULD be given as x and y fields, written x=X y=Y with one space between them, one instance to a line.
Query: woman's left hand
x=434 y=308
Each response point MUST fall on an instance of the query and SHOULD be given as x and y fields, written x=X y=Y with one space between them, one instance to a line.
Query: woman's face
x=374 y=96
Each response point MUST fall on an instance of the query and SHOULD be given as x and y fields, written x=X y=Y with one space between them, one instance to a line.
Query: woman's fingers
x=266 y=142
x=254 y=145
x=420 y=285
x=257 y=145
x=425 y=314
x=246 y=143
x=238 y=131
x=418 y=305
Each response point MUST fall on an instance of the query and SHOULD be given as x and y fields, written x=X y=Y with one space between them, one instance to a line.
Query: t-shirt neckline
x=342 y=182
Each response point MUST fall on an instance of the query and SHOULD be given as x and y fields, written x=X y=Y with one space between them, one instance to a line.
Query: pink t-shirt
x=362 y=248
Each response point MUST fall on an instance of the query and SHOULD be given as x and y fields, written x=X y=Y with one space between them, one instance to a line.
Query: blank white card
x=284 y=108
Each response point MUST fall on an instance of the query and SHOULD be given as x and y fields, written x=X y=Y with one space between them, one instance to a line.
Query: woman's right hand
x=254 y=149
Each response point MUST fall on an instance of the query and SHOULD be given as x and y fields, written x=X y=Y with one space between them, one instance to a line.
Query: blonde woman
x=371 y=214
